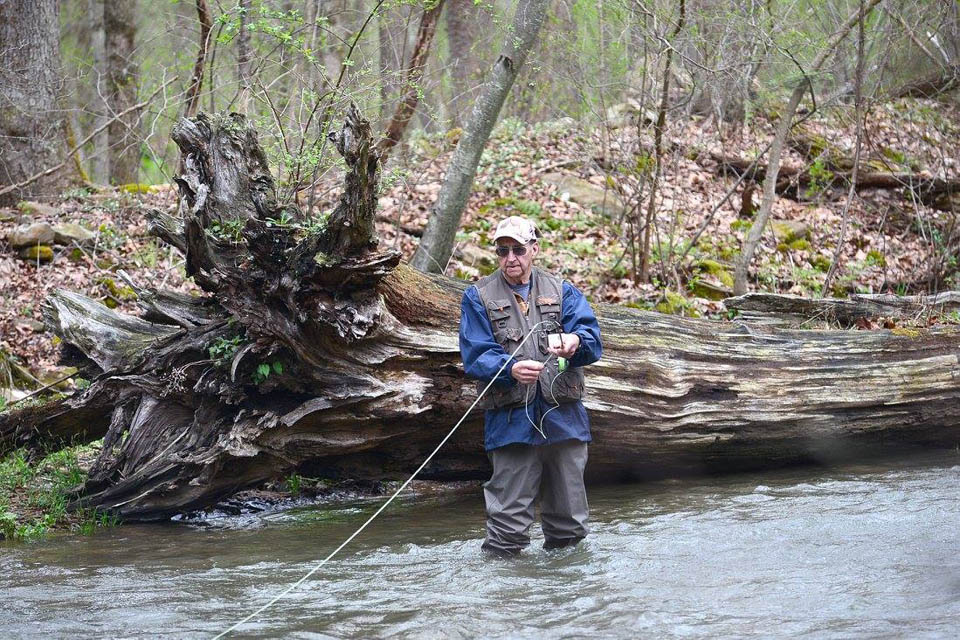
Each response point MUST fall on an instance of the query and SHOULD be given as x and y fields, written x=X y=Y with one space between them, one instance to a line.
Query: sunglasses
x=518 y=250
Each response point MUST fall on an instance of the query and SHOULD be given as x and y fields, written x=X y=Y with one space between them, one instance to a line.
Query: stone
x=789 y=230
x=716 y=270
x=69 y=232
x=41 y=253
x=36 y=208
x=625 y=114
x=31 y=235
x=586 y=194
x=478 y=258
x=710 y=290
x=32 y=325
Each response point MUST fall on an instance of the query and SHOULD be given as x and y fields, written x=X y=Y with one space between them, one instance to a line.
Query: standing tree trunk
x=408 y=103
x=462 y=17
x=100 y=158
x=31 y=125
x=244 y=58
x=196 y=80
x=120 y=29
x=776 y=150
x=437 y=242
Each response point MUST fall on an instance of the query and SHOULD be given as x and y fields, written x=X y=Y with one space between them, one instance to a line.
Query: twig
x=43 y=388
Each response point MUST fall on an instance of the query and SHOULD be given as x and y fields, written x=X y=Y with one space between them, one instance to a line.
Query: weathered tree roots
x=316 y=351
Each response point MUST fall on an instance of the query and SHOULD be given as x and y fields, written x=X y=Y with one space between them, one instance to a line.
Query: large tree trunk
x=319 y=352
x=436 y=245
x=31 y=125
x=120 y=28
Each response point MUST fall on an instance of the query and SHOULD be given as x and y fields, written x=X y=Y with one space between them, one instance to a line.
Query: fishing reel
x=554 y=336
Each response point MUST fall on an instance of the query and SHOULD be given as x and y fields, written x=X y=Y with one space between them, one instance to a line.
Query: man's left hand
x=569 y=343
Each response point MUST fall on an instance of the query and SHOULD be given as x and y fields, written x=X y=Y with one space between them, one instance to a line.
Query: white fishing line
x=396 y=493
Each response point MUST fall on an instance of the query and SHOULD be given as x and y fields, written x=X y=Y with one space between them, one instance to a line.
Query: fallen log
x=936 y=192
x=846 y=312
x=318 y=352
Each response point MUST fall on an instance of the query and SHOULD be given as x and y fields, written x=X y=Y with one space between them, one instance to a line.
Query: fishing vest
x=510 y=324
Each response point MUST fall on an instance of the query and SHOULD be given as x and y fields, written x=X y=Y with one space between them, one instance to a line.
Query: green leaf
x=278 y=367
x=263 y=369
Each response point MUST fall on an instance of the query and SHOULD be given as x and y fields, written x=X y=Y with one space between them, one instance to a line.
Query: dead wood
x=315 y=351
x=846 y=312
x=930 y=86
x=792 y=179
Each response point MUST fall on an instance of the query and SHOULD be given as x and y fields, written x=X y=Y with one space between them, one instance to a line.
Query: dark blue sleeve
x=482 y=354
x=578 y=318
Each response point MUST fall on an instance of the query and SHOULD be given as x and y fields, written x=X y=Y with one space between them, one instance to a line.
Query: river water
x=865 y=551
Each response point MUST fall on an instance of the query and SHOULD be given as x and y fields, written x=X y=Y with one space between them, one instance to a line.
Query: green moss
x=135 y=187
x=41 y=253
x=820 y=263
x=893 y=155
x=676 y=304
x=787 y=232
x=800 y=244
x=907 y=332
x=741 y=225
x=876 y=258
x=118 y=292
x=715 y=269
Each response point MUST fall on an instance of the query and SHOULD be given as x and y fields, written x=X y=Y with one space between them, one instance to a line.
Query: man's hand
x=526 y=371
x=569 y=343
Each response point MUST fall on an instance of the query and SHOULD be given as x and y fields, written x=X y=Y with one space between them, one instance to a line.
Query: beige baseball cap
x=520 y=229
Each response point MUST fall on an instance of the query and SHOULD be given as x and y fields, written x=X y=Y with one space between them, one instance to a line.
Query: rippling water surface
x=867 y=551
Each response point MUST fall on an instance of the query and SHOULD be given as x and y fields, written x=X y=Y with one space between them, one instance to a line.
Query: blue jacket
x=483 y=356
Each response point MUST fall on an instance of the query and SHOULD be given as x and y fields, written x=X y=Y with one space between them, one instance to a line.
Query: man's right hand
x=526 y=371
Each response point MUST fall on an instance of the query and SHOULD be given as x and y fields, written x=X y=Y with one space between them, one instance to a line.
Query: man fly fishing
x=536 y=428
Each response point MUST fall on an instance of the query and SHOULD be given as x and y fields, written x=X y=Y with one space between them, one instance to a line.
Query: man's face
x=516 y=268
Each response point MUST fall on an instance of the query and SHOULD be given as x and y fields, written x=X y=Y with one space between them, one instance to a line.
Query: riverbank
x=34 y=494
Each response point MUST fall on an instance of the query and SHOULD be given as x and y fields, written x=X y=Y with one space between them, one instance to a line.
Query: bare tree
x=437 y=242
x=412 y=88
x=31 y=125
x=776 y=150
x=196 y=81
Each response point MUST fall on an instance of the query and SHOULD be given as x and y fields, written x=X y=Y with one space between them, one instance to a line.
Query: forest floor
x=587 y=189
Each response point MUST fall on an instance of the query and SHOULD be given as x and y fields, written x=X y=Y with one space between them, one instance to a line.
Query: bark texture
x=120 y=29
x=315 y=351
x=31 y=125
x=436 y=245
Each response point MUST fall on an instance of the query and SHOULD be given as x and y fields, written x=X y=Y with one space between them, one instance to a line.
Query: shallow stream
x=865 y=551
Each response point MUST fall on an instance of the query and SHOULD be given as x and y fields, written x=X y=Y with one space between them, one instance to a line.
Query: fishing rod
x=396 y=493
